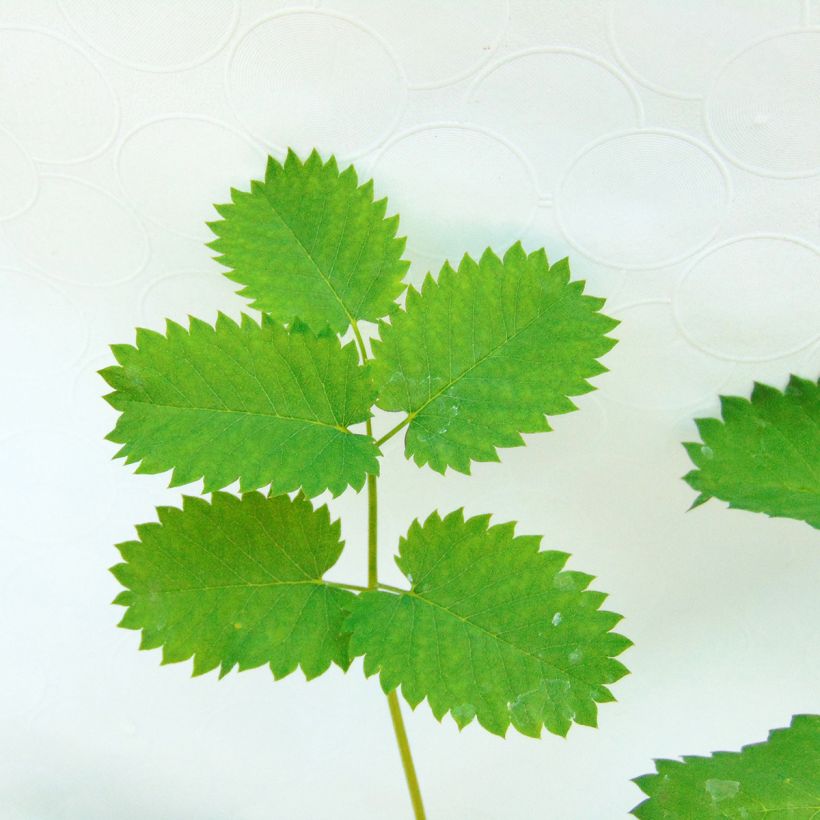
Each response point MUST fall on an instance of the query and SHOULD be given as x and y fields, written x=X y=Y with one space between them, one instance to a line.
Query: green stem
x=401 y=425
x=406 y=756
x=373 y=583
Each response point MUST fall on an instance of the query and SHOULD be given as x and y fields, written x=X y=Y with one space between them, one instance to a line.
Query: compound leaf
x=238 y=582
x=309 y=242
x=262 y=404
x=765 y=454
x=481 y=355
x=491 y=628
x=777 y=778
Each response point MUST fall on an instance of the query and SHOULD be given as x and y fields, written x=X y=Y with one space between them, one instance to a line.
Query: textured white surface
x=670 y=149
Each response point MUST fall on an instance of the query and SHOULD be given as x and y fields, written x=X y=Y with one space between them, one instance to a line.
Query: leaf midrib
x=308 y=254
x=318 y=422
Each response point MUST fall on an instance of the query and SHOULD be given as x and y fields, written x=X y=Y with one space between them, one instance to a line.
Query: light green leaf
x=779 y=778
x=262 y=404
x=765 y=454
x=308 y=243
x=481 y=355
x=491 y=628
x=238 y=583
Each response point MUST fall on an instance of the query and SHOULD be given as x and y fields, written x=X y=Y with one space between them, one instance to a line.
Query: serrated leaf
x=238 y=583
x=481 y=355
x=310 y=242
x=261 y=404
x=765 y=454
x=777 y=778
x=491 y=628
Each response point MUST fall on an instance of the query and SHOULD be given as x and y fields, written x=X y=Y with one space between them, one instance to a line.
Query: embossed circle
x=551 y=103
x=182 y=293
x=26 y=300
x=752 y=298
x=56 y=102
x=174 y=168
x=18 y=177
x=79 y=233
x=653 y=366
x=642 y=199
x=675 y=48
x=286 y=91
x=470 y=190
x=437 y=43
x=763 y=110
x=154 y=35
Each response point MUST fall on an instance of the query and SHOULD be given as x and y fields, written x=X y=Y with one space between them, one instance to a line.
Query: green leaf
x=238 y=582
x=480 y=356
x=779 y=778
x=765 y=454
x=308 y=242
x=262 y=404
x=491 y=628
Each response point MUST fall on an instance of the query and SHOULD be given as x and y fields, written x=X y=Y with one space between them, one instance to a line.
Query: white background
x=672 y=150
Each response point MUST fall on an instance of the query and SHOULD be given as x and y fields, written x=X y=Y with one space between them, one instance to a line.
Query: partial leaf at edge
x=778 y=778
x=764 y=456
x=238 y=582
x=491 y=628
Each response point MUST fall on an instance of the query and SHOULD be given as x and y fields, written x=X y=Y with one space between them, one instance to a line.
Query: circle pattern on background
x=718 y=302
x=674 y=48
x=154 y=35
x=26 y=300
x=79 y=233
x=287 y=92
x=763 y=111
x=173 y=170
x=671 y=374
x=182 y=293
x=18 y=177
x=447 y=41
x=551 y=103
x=68 y=112
x=472 y=190
x=643 y=199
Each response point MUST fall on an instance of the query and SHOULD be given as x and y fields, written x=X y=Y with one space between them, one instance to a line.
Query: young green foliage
x=777 y=778
x=765 y=454
x=238 y=582
x=491 y=628
x=481 y=355
x=309 y=242
x=263 y=404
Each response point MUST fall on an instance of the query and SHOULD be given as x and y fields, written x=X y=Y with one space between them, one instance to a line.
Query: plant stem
x=373 y=583
x=372 y=528
x=406 y=756
x=403 y=423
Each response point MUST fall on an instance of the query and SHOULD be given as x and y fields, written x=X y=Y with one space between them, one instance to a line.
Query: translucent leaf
x=779 y=778
x=309 y=242
x=765 y=454
x=237 y=583
x=256 y=403
x=491 y=628
x=481 y=355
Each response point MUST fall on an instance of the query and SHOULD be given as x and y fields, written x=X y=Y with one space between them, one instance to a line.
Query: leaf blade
x=310 y=242
x=514 y=339
x=777 y=777
x=492 y=628
x=764 y=455
x=261 y=404
x=238 y=582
